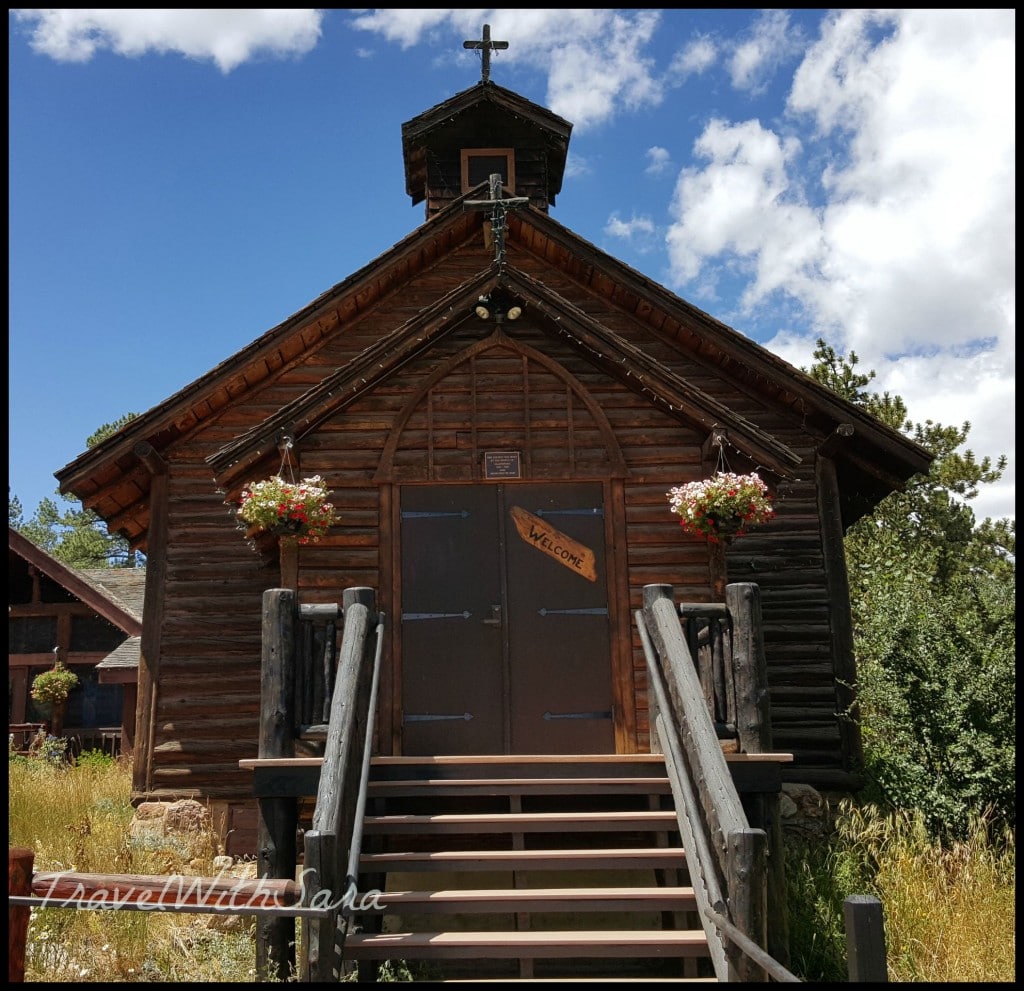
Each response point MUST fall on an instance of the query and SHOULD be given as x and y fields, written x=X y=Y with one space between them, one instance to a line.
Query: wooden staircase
x=542 y=867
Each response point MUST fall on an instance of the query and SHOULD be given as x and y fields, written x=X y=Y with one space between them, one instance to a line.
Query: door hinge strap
x=412 y=515
x=427 y=718
x=436 y=615
x=577 y=715
x=574 y=612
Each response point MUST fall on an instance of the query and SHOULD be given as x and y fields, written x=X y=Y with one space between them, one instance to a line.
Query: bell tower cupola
x=454 y=147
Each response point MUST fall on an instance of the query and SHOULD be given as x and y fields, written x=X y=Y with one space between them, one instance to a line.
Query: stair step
x=519 y=786
x=521 y=822
x=485 y=900
x=618 y=858
x=506 y=944
x=518 y=766
x=439 y=760
x=453 y=799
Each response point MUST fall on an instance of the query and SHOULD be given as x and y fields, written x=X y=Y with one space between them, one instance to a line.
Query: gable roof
x=116 y=594
x=112 y=480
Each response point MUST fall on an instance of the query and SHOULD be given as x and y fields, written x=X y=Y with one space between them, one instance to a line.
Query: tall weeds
x=77 y=818
x=949 y=911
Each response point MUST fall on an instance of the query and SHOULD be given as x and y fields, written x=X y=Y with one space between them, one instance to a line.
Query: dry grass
x=949 y=912
x=78 y=819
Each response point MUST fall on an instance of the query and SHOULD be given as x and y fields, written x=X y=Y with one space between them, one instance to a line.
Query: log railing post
x=19 y=882
x=749 y=668
x=327 y=843
x=278 y=817
x=865 y=939
x=754 y=727
x=652 y=593
x=746 y=856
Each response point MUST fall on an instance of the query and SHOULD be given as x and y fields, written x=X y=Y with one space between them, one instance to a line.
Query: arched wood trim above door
x=612 y=465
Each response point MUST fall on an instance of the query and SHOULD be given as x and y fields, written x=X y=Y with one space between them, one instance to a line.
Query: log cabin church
x=492 y=401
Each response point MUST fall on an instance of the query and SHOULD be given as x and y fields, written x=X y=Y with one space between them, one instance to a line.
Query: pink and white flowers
x=299 y=507
x=723 y=504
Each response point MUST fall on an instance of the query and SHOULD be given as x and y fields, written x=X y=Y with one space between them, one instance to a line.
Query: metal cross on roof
x=486 y=47
x=498 y=207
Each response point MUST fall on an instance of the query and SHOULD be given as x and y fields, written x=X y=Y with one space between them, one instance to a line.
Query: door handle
x=495 y=618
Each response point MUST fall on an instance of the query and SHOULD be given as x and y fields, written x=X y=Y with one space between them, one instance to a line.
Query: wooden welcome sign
x=566 y=551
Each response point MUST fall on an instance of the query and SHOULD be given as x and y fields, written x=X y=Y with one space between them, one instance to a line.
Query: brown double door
x=504 y=620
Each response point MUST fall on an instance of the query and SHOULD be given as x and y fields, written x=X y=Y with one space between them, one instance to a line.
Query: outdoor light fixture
x=486 y=307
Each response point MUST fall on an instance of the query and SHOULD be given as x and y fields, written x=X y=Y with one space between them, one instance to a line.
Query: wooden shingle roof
x=116 y=594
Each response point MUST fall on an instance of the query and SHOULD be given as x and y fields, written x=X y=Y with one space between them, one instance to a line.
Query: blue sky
x=183 y=180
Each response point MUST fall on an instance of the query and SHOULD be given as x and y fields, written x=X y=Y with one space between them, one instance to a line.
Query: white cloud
x=901 y=247
x=406 y=27
x=226 y=37
x=576 y=165
x=770 y=41
x=659 y=161
x=628 y=228
x=594 y=58
x=696 y=57
x=734 y=204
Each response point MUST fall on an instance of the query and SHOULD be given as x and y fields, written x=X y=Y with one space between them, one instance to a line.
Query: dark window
x=478 y=164
x=481 y=167
x=19 y=582
x=94 y=633
x=51 y=591
x=31 y=634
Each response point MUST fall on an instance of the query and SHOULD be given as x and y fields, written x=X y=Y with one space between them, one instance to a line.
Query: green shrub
x=95 y=759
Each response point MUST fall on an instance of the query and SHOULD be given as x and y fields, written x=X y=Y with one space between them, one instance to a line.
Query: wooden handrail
x=337 y=816
x=727 y=853
x=355 y=851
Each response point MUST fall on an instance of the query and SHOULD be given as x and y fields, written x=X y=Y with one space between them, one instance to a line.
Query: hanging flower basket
x=54 y=686
x=723 y=506
x=293 y=509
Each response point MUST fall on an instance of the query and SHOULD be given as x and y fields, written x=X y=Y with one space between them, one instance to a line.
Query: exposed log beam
x=836 y=440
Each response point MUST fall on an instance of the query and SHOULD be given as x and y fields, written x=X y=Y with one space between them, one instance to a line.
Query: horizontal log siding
x=785 y=559
x=207 y=703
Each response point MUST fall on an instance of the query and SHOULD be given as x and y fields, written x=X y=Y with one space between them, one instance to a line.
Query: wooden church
x=499 y=409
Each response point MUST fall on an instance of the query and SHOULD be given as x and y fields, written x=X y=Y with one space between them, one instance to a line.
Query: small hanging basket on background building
x=54 y=686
